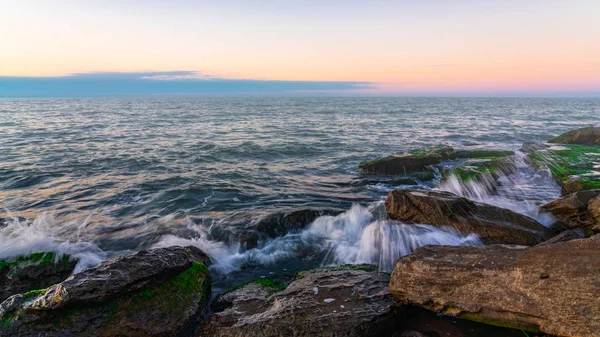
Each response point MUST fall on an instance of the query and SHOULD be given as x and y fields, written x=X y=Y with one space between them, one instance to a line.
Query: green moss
x=28 y=296
x=467 y=173
x=272 y=285
x=439 y=151
x=576 y=165
x=588 y=232
x=7 y=319
x=170 y=298
x=4 y=264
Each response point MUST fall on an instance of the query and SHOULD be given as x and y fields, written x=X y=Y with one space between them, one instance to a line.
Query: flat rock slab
x=324 y=302
x=554 y=289
x=491 y=223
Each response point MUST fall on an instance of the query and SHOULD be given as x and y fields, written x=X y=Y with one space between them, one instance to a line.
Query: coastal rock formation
x=574 y=167
x=34 y=271
x=408 y=162
x=340 y=301
x=149 y=293
x=576 y=210
x=553 y=289
x=584 y=136
x=491 y=223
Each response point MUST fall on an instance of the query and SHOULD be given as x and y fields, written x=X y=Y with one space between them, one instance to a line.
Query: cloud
x=99 y=84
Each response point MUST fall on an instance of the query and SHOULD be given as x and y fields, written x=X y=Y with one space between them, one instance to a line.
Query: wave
x=19 y=237
x=357 y=236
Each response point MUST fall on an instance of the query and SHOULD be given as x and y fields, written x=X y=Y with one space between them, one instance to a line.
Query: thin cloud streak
x=102 y=84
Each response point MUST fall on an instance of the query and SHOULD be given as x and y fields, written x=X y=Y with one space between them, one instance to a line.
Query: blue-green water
x=97 y=177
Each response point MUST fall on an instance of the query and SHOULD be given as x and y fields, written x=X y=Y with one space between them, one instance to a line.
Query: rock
x=149 y=293
x=482 y=169
x=341 y=301
x=485 y=154
x=584 y=136
x=594 y=212
x=279 y=224
x=568 y=235
x=572 y=209
x=491 y=223
x=34 y=271
x=552 y=288
x=574 y=167
x=408 y=162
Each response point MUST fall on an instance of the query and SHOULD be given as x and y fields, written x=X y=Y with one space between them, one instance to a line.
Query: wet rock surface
x=584 y=136
x=340 y=301
x=35 y=271
x=575 y=210
x=492 y=224
x=573 y=166
x=553 y=288
x=408 y=162
x=149 y=293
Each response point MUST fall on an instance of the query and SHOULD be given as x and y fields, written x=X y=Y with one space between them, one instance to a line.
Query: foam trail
x=22 y=237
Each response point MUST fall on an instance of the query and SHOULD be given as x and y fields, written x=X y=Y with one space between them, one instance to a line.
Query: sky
x=402 y=47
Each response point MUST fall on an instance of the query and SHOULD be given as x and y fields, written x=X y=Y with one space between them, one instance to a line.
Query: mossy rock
x=407 y=162
x=34 y=271
x=574 y=167
x=160 y=308
x=483 y=153
x=486 y=169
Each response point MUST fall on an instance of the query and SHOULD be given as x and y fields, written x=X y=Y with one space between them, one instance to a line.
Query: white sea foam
x=353 y=237
x=23 y=237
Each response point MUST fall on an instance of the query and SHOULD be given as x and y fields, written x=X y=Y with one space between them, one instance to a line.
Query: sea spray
x=19 y=237
x=354 y=237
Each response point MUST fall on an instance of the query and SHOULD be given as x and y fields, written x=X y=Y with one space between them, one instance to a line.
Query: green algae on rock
x=160 y=298
x=408 y=162
x=574 y=167
x=33 y=271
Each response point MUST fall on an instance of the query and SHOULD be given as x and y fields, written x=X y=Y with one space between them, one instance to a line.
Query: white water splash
x=23 y=237
x=353 y=237
x=522 y=192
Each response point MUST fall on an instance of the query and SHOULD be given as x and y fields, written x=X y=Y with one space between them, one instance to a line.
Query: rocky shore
x=529 y=279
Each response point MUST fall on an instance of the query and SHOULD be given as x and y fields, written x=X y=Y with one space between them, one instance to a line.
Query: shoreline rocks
x=576 y=210
x=31 y=272
x=408 y=162
x=573 y=166
x=150 y=293
x=491 y=223
x=584 y=136
x=337 y=301
x=553 y=289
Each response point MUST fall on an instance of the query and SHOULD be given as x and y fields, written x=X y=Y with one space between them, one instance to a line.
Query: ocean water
x=99 y=177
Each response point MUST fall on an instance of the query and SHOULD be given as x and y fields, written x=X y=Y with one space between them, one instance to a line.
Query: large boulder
x=491 y=223
x=584 y=136
x=343 y=301
x=553 y=289
x=575 y=210
x=408 y=162
x=149 y=293
x=34 y=271
x=594 y=212
x=574 y=167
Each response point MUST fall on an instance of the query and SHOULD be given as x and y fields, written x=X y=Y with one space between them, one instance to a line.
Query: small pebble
x=329 y=300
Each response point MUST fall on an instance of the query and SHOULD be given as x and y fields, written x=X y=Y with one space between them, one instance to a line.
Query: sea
x=95 y=178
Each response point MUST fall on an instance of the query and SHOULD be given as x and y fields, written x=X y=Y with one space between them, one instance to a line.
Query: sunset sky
x=533 y=47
